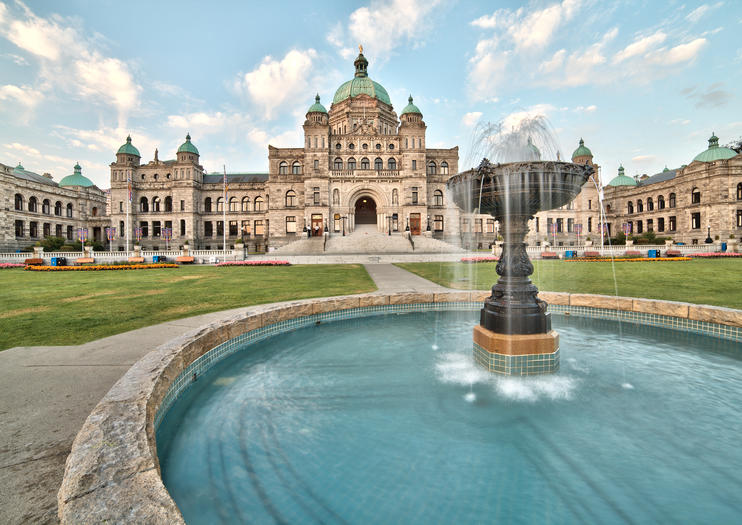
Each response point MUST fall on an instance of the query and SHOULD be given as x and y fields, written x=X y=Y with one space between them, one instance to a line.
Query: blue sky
x=643 y=82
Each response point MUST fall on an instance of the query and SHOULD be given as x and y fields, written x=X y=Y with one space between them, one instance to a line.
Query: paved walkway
x=48 y=392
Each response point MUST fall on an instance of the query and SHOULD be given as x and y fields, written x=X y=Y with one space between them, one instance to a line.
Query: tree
x=736 y=145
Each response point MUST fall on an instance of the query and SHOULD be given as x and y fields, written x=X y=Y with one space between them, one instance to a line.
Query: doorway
x=365 y=211
x=415 y=223
x=317 y=224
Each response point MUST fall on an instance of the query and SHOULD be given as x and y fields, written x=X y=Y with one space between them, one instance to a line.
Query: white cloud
x=22 y=148
x=644 y=159
x=488 y=67
x=680 y=122
x=513 y=120
x=274 y=82
x=470 y=119
x=554 y=63
x=700 y=11
x=639 y=47
x=25 y=95
x=681 y=53
x=586 y=109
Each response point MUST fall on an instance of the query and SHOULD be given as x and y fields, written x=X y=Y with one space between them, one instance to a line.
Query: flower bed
x=714 y=255
x=5 y=266
x=471 y=260
x=549 y=255
x=632 y=254
x=254 y=263
x=591 y=254
x=99 y=267
x=630 y=259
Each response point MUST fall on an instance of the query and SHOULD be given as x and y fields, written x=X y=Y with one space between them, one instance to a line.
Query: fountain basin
x=112 y=472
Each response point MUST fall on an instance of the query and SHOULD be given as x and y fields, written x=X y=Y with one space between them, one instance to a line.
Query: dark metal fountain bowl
x=518 y=188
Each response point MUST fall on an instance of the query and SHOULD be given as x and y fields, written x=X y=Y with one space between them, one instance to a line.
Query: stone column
x=239 y=251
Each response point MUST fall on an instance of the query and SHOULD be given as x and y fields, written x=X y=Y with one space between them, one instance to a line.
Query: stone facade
x=34 y=207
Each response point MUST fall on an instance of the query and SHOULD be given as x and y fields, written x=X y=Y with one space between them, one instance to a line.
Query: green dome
x=128 y=149
x=411 y=108
x=361 y=85
x=715 y=152
x=621 y=179
x=582 y=151
x=188 y=147
x=78 y=179
x=316 y=107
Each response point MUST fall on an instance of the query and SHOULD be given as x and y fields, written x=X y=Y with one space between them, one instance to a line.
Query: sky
x=645 y=83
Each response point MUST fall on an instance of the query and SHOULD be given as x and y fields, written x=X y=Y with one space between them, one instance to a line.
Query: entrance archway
x=365 y=210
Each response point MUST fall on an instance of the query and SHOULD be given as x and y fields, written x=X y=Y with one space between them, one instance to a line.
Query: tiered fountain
x=514 y=335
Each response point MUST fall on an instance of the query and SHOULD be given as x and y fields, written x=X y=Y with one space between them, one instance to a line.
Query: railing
x=365 y=173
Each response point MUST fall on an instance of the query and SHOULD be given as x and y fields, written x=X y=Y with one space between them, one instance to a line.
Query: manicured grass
x=716 y=282
x=66 y=308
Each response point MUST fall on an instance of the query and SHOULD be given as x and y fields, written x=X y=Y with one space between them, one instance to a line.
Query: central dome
x=361 y=85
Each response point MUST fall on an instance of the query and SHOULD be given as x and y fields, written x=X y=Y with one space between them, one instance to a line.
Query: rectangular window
x=570 y=225
x=121 y=205
x=739 y=218
x=58 y=230
x=560 y=225
x=182 y=228
x=156 y=229
x=47 y=229
x=208 y=229
x=145 y=228
x=639 y=227
x=438 y=223
x=316 y=163
x=259 y=228
x=245 y=228
x=414 y=195
x=233 y=229
x=414 y=163
x=69 y=233
x=589 y=204
x=219 y=228
x=19 y=228
x=695 y=221
x=122 y=230
x=490 y=225
x=465 y=226
x=290 y=224
x=589 y=224
x=182 y=205
x=478 y=226
x=316 y=196
x=672 y=224
x=661 y=224
x=650 y=225
x=538 y=228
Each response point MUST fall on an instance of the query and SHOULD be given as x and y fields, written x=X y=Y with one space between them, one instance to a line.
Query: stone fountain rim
x=112 y=472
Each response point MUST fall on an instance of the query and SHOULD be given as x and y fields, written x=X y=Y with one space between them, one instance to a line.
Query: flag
x=226 y=186
x=128 y=184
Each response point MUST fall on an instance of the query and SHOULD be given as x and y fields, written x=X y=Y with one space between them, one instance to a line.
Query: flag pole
x=128 y=209
x=224 y=215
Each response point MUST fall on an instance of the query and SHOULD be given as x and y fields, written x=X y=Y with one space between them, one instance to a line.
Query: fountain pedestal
x=516 y=354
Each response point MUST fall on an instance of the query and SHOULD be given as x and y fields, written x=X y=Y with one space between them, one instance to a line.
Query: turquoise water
x=387 y=420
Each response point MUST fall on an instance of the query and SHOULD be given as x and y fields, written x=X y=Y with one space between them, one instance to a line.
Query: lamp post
x=708 y=240
x=389 y=225
x=344 y=219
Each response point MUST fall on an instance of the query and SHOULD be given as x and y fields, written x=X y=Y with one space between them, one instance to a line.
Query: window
x=365 y=163
x=589 y=204
x=589 y=224
x=639 y=206
x=336 y=197
x=395 y=197
x=19 y=228
x=315 y=196
x=144 y=204
x=351 y=163
x=207 y=205
x=69 y=209
x=414 y=195
x=58 y=230
x=437 y=198
x=378 y=146
x=155 y=204
x=19 y=205
x=391 y=146
x=258 y=204
x=406 y=142
x=739 y=191
x=477 y=225
x=672 y=224
x=337 y=164
x=378 y=164
x=233 y=229
x=465 y=226
x=182 y=227
x=246 y=228
x=156 y=229
x=32 y=204
x=69 y=233
x=490 y=225
x=695 y=196
x=47 y=230
x=296 y=168
x=121 y=206
x=739 y=218
x=220 y=204
x=220 y=228
x=414 y=164
x=391 y=164
x=94 y=211
x=338 y=146
x=168 y=204
x=283 y=168
x=336 y=220
x=639 y=227
x=290 y=199
x=33 y=229
x=258 y=228
x=570 y=225
x=444 y=168
x=182 y=205
x=233 y=204
x=365 y=146
x=290 y=224
x=661 y=224
x=560 y=225
x=245 y=203
x=650 y=225
x=431 y=168
x=122 y=230
x=46 y=207
x=695 y=220
x=630 y=207
x=660 y=203
x=538 y=226
x=671 y=204
x=650 y=204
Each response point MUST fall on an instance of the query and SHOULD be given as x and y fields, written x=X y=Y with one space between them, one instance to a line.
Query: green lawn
x=40 y=308
x=717 y=282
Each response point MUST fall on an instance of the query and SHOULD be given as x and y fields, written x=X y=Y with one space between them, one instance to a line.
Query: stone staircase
x=311 y=246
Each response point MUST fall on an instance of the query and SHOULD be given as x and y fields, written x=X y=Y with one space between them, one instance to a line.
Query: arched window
x=168 y=204
x=444 y=167
x=660 y=203
x=671 y=200
x=290 y=199
x=220 y=204
x=438 y=197
x=365 y=164
x=258 y=204
x=283 y=168
x=378 y=164
x=739 y=191
x=58 y=208
x=337 y=164
x=336 y=197
x=69 y=209
x=650 y=204
x=431 y=168
x=695 y=196
x=630 y=207
x=33 y=204
x=144 y=204
x=296 y=168
x=46 y=207
x=155 y=204
x=234 y=204
x=391 y=163
x=18 y=201
x=639 y=206
x=207 y=204
x=94 y=211
x=351 y=163
x=245 y=203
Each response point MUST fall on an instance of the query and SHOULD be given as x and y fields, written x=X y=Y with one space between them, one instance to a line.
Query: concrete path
x=47 y=393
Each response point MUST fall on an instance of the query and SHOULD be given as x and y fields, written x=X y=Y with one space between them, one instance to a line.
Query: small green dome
x=361 y=85
x=582 y=151
x=411 y=108
x=128 y=149
x=19 y=169
x=621 y=179
x=77 y=178
x=316 y=107
x=715 y=152
x=188 y=147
